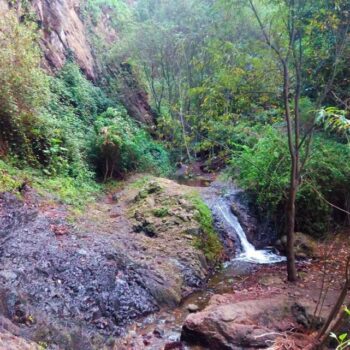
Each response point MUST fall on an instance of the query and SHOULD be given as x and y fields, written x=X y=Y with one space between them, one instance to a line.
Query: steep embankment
x=76 y=283
x=68 y=31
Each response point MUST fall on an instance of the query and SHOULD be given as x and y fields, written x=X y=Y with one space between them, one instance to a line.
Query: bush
x=23 y=87
x=122 y=146
x=67 y=123
x=263 y=170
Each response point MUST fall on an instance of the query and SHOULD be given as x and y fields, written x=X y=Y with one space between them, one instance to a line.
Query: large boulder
x=72 y=286
x=305 y=246
x=238 y=325
x=227 y=324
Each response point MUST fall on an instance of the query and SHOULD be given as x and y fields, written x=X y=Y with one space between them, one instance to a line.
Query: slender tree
x=286 y=41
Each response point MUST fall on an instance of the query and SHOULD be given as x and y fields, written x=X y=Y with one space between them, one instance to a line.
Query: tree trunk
x=291 y=268
x=293 y=185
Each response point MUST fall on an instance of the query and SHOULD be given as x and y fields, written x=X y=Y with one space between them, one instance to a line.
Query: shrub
x=122 y=146
x=160 y=212
x=23 y=86
x=263 y=170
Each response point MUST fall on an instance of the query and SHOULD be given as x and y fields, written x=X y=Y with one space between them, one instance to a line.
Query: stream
x=163 y=329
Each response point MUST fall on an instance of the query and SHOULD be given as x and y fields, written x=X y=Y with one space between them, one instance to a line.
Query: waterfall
x=248 y=252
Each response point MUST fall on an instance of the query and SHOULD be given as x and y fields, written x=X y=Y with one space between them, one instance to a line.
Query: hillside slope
x=67 y=31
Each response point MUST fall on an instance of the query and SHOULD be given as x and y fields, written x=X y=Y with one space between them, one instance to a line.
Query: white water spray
x=249 y=253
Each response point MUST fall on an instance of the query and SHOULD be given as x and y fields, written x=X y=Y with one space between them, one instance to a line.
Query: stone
x=192 y=307
x=305 y=246
x=8 y=275
x=271 y=280
x=158 y=333
x=115 y=197
x=82 y=252
x=175 y=345
x=233 y=325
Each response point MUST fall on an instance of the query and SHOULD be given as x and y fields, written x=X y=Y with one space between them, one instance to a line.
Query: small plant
x=160 y=212
x=342 y=339
x=121 y=146
x=141 y=182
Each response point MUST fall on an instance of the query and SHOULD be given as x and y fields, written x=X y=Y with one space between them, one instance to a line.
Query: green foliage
x=9 y=179
x=141 y=182
x=160 y=212
x=120 y=13
x=208 y=242
x=342 y=339
x=73 y=191
x=263 y=170
x=23 y=87
x=75 y=94
x=123 y=146
x=68 y=122
x=334 y=119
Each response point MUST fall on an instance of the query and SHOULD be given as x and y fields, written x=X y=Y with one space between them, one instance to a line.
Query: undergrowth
x=75 y=192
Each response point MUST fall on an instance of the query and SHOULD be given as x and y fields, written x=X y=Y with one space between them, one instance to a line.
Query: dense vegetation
x=214 y=77
x=215 y=73
x=62 y=131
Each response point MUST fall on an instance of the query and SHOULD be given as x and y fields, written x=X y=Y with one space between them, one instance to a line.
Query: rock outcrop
x=229 y=323
x=66 y=32
x=63 y=32
x=73 y=286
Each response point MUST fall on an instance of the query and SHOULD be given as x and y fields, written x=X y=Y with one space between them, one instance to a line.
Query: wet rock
x=147 y=228
x=259 y=231
x=82 y=252
x=8 y=275
x=98 y=277
x=305 y=246
x=94 y=287
x=176 y=345
x=230 y=326
x=158 y=333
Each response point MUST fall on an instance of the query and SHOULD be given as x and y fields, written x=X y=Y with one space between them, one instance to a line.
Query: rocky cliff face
x=66 y=32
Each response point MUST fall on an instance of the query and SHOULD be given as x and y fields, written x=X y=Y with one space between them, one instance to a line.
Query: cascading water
x=248 y=252
x=220 y=206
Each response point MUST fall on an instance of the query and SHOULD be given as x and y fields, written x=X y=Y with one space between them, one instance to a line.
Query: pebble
x=192 y=307
x=158 y=333
x=133 y=334
x=82 y=252
x=8 y=275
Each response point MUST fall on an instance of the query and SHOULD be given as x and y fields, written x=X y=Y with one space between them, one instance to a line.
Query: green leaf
x=342 y=337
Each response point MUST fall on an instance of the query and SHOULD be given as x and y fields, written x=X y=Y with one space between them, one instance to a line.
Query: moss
x=141 y=182
x=208 y=242
x=75 y=192
x=160 y=212
x=10 y=179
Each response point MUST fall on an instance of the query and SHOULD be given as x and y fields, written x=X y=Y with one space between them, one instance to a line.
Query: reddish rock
x=176 y=345
x=244 y=324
